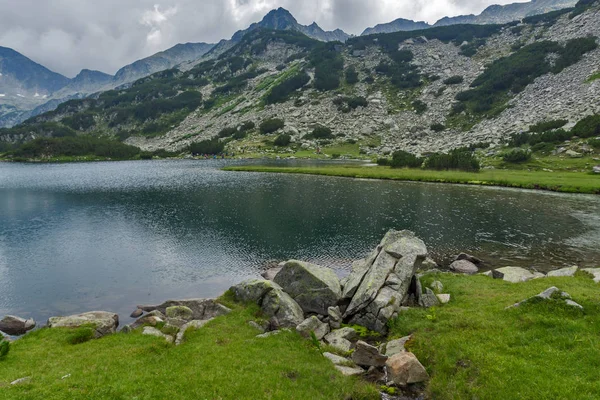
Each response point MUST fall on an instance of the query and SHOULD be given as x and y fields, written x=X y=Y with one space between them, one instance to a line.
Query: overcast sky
x=69 y=35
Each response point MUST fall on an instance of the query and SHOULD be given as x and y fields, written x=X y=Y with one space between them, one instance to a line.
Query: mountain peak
x=279 y=19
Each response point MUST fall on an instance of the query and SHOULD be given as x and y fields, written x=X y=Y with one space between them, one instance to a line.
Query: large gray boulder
x=595 y=272
x=464 y=267
x=16 y=326
x=570 y=271
x=313 y=287
x=202 y=309
x=253 y=290
x=314 y=325
x=104 y=322
x=515 y=274
x=404 y=368
x=385 y=281
x=367 y=355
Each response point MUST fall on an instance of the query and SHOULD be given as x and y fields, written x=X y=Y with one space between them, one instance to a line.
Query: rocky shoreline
x=347 y=320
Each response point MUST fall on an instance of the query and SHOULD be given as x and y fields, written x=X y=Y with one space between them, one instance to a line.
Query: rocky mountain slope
x=399 y=24
x=422 y=91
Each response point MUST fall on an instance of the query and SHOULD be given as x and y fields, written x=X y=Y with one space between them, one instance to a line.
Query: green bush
x=328 y=64
x=247 y=126
x=282 y=140
x=454 y=80
x=419 y=106
x=545 y=126
x=227 y=132
x=321 y=132
x=595 y=143
x=384 y=162
x=543 y=147
x=346 y=104
x=517 y=156
x=4 y=348
x=146 y=155
x=351 y=76
x=437 y=127
x=212 y=146
x=76 y=146
x=283 y=90
x=587 y=127
x=456 y=159
x=271 y=125
x=81 y=335
x=403 y=159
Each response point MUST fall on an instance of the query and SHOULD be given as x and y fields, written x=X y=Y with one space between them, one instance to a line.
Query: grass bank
x=223 y=360
x=475 y=349
x=570 y=182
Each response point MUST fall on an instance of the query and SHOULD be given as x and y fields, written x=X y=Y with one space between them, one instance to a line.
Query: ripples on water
x=75 y=237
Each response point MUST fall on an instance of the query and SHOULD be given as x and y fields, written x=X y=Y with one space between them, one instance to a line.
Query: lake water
x=108 y=236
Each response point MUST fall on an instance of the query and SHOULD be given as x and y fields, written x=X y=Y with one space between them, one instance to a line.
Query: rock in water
x=404 y=369
x=385 y=282
x=105 y=322
x=464 y=267
x=137 y=313
x=16 y=326
x=313 y=287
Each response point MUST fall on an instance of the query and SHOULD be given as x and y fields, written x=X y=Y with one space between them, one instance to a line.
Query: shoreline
x=562 y=182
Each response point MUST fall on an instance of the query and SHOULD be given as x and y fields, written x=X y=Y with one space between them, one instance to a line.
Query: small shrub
x=227 y=132
x=542 y=127
x=438 y=127
x=595 y=143
x=587 y=127
x=517 y=156
x=419 y=106
x=247 y=126
x=282 y=140
x=403 y=159
x=454 y=80
x=351 y=76
x=212 y=146
x=280 y=67
x=459 y=159
x=542 y=147
x=81 y=335
x=321 y=132
x=384 y=162
x=4 y=348
x=271 y=125
x=146 y=155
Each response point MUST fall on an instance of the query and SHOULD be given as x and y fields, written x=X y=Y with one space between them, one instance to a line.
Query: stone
x=396 y=346
x=151 y=331
x=270 y=273
x=283 y=307
x=313 y=287
x=16 y=326
x=313 y=324
x=253 y=290
x=272 y=333
x=513 y=274
x=190 y=325
x=21 y=381
x=428 y=299
x=350 y=371
x=151 y=320
x=404 y=369
x=570 y=271
x=571 y=303
x=340 y=344
x=596 y=169
x=257 y=326
x=175 y=322
x=429 y=264
x=359 y=269
x=346 y=333
x=337 y=360
x=443 y=298
x=367 y=355
x=202 y=309
x=137 y=313
x=595 y=272
x=180 y=312
x=573 y=154
x=469 y=258
x=335 y=317
x=546 y=295
x=105 y=322
x=464 y=267
x=437 y=287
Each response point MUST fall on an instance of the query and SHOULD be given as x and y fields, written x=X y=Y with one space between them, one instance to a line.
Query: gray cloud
x=69 y=35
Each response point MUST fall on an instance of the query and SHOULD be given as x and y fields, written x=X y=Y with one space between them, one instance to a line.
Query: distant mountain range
x=494 y=14
x=28 y=88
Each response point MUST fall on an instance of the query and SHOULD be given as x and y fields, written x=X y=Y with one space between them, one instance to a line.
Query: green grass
x=593 y=77
x=223 y=360
x=475 y=349
x=572 y=182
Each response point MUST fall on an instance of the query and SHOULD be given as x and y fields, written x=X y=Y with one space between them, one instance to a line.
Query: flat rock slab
x=570 y=271
x=150 y=331
x=595 y=272
x=350 y=371
x=190 y=325
x=337 y=360
x=313 y=287
x=515 y=274
x=202 y=309
x=396 y=346
x=104 y=322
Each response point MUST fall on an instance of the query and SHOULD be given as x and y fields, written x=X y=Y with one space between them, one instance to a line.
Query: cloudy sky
x=69 y=35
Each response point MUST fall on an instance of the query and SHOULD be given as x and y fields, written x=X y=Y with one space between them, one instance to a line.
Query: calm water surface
x=77 y=237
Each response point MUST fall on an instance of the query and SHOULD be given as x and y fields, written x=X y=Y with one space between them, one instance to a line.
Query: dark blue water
x=77 y=237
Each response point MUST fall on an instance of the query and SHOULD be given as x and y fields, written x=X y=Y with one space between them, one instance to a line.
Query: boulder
x=257 y=326
x=396 y=346
x=335 y=317
x=151 y=320
x=190 y=325
x=443 y=298
x=104 y=322
x=346 y=333
x=469 y=258
x=464 y=267
x=337 y=360
x=202 y=309
x=16 y=326
x=137 y=313
x=570 y=271
x=513 y=274
x=277 y=303
x=313 y=324
x=367 y=355
x=548 y=294
x=350 y=371
x=386 y=280
x=405 y=368
x=340 y=344
x=595 y=272
x=428 y=299
x=150 y=331
x=270 y=273
x=179 y=312
x=437 y=286
x=253 y=290
x=359 y=269
x=313 y=287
